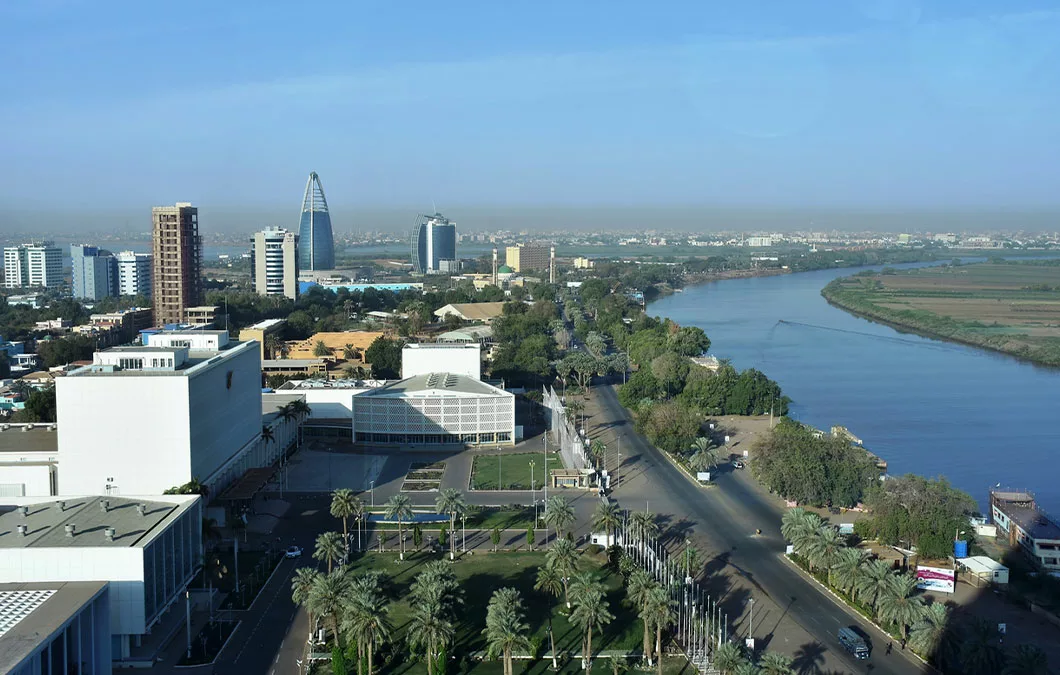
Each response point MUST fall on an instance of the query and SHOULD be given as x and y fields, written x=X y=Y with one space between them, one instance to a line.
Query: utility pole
x=187 y=617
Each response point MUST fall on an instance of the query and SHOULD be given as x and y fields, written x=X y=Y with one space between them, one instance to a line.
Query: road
x=728 y=515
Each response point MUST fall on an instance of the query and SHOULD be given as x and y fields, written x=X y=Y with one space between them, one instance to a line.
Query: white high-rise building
x=134 y=273
x=33 y=265
x=275 y=267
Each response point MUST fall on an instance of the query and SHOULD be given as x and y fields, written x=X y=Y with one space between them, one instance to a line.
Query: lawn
x=480 y=576
x=512 y=471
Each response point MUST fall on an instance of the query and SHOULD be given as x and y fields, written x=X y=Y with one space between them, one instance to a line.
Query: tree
x=327 y=598
x=451 y=501
x=746 y=668
x=1026 y=660
x=671 y=426
x=550 y=581
x=927 y=634
x=399 y=507
x=659 y=610
x=799 y=526
x=329 y=548
x=773 y=663
x=847 y=569
x=559 y=514
x=302 y=583
x=823 y=549
x=366 y=618
x=39 y=407
x=607 y=517
x=689 y=341
x=979 y=651
x=385 y=356
x=321 y=349
x=704 y=455
x=505 y=626
x=898 y=604
x=670 y=370
x=875 y=582
x=638 y=590
x=430 y=629
x=727 y=657
x=645 y=527
x=495 y=537
x=563 y=557
x=591 y=612
x=343 y=505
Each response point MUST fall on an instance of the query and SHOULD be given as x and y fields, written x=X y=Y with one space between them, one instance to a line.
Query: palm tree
x=358 y=514
x=874 y=582
x=573 y=409
x=329 y=548
x=451 y=502
x=429 y=629
x=267 y=434
x=305 y=578
x=272 y=345
x=1026 y=660
x=927 y=634
x=847 y=568
x=823 y=549
x=563 y=557
x=366 y=619
x=321 y=349
x=351 y=353
x=702 y=460
x=558 y=514
x=728 y=657
x=551 y=582
x=776 y=664
x=400 y=507
x=898 y=604
x=618 y=665
x=591 y=611
x=799 y=526
x=437 y=584
x=327 y=598
x=638 y=590
x=342 y=507
x=660 y=612
x=746 y=668
x=644 y=525
x=505 y=626
x=607 y=517
x=979 y=652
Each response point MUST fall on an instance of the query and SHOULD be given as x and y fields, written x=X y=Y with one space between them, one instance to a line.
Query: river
x=927 y=407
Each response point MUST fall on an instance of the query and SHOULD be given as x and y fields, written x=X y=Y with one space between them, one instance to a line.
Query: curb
x=216 y=656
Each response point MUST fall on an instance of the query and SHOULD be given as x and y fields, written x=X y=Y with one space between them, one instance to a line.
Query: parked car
x=293 y=552
x=737 y=464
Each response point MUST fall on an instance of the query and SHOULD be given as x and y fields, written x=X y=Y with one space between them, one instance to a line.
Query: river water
x=928 y=407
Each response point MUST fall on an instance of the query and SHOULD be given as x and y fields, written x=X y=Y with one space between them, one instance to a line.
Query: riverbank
x=1010 y=308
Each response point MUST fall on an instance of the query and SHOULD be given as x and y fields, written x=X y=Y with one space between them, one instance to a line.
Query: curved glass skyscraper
x=433 y=241
x=316 y=246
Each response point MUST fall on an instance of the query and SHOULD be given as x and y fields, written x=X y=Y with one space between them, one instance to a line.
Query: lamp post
x=187 y=618
x=532 y=493
x=371 y=487
x=463 y=533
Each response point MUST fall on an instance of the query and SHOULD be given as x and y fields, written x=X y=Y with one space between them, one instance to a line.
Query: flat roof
x=20 y=438
x=266 y=324
x=271 y=403
x=196 y=358
x=154 y=350
x=47 y=521
x=473 y=311
x=306 y=385
x=441 y=383
x=32 y=612
x=440 y=345
x=1035 y=523
x=980 y=564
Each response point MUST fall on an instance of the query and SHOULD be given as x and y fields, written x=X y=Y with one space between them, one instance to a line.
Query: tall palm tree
x=550 y=581
x=399 y=507
x=358 y=512
x=660 y=612
x=746 y=668
x=700 y=444
x=898 y=604
x=773 y=663
x=272 y=345
x=799 y=526
x=727 y=657
x=607 y=517
x=979 y=651
x=927 y=634
x=847 y=568
x=267 y=434
x=644 y=525
x=302 y=583
x=342 y=507
x=563 y=557
x=638 y=590
x=329 y=548
x=581 y=584
x=321 y=349
x=1026 y=660
x=591 y=612
x=874 y=582
x=327 y=598
x=437 y=583
x=823 y=549
x=559 y=514
x=451 y=502
x=351 y=353
x=366 y=619
x=429 y=628
x=505 y=626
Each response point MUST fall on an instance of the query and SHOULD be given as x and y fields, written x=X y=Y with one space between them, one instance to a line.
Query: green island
x=1009 y=307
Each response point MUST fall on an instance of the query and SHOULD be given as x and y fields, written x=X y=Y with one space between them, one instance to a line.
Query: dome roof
x=504 y=269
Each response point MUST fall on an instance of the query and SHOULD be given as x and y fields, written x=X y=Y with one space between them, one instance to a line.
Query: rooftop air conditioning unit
x=23 y=529
x=71 y=529
x=109 y=533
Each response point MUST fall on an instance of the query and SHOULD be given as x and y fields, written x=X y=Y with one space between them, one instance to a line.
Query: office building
x=523 y=257
x=55 y=628
x=141 y=420
x=460 y=359
x=94 y=273
x=145 y=549
x=134 y=273
x=267 y=334
x=1021 y=521
x=176 y=279
x=433 y=241
x=33 y=266
x=316 y=245
x=274 y=270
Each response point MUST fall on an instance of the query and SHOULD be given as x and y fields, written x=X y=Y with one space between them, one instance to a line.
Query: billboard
x=935 y=579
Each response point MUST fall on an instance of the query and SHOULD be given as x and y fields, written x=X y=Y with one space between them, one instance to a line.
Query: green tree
x=689 y=341
x=365 y=618
x=343 y=505
x=746 y=668
x=639 y=587
x=399 y=507
x=559 y=514
x=329 y=548
x=874 y=583
x=606 y=518
x=899 y=606
x=302 y=584
x=321 y=349
x=39 y=408
x=823 y=551
x=980 y=653
x=671 y=426
x=384 y=354
x=562 y=556
x=495 y=537
x=728 y=657
x=551 y=582
x=431 y=630
x=670 y=370
x=659 y=611
x=506 y=626
x=1026 y=660
x=927 y=635
x=451 y=502
x=327 y=598
x=848 y=568
x=591 y=612
x=773 y=663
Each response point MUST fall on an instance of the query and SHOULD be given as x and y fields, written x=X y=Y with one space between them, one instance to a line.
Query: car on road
x=737 y=464
x=293 y=552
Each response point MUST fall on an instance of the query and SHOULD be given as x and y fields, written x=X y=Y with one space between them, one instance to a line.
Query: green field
x=512 y=471
x=1011 y=307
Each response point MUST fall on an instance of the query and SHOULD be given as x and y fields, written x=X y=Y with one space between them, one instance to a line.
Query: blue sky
x=815 y=103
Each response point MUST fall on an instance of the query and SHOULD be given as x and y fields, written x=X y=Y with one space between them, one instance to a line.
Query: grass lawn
x=480 y=576
x=513 y=471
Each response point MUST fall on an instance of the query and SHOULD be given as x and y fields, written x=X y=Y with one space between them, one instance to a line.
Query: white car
x=293 y=552
x=737 y=464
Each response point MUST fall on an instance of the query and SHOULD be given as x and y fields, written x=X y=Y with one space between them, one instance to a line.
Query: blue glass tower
x=316 y=246
x=433 y=241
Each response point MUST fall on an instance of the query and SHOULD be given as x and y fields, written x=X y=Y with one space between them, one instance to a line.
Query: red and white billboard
x=935 y=579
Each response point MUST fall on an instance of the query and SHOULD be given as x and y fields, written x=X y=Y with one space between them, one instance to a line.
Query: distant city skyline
x=872 y=104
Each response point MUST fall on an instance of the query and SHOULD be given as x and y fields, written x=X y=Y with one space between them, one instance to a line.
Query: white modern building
x=141 y=420
x=33 y=265
x=275 y=267
x=134 y=273
x=147 y=549
x=433 y=409
x=461 y=359
x=54 y=628
x=29 y=460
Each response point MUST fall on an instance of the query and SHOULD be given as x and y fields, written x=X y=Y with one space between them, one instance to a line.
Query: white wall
x=330 y=403
x=35 y=480
x=132 y=428
x=447 y=358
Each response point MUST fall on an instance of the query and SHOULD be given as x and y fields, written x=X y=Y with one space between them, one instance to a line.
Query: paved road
x=728 y=515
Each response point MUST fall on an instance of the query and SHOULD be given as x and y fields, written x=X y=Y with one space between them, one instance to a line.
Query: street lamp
x=463 y=529
x=532 y=493
x=371 y=487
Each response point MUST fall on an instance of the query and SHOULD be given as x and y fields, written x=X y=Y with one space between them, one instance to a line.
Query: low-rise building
x=484 y=312
x=295 y=367
x=203 y=315
x=34 y=300
x=460 y=359
x=29 y=460
x=126 y=322
x=482 y=335
x=264 y=333
x=1026 y=527
x=336 y=344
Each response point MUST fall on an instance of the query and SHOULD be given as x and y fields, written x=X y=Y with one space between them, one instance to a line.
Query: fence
x=700 y=625
x=571 y=445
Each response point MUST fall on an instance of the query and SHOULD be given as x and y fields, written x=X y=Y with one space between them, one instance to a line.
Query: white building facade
x=134 y=273
x=275 y=267
x=461 y=359
x=33 y=266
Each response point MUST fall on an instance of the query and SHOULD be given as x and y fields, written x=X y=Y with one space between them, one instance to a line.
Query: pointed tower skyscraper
x=316 y=245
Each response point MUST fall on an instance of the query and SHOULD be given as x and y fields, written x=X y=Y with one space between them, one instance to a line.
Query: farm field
x=1011 y=307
